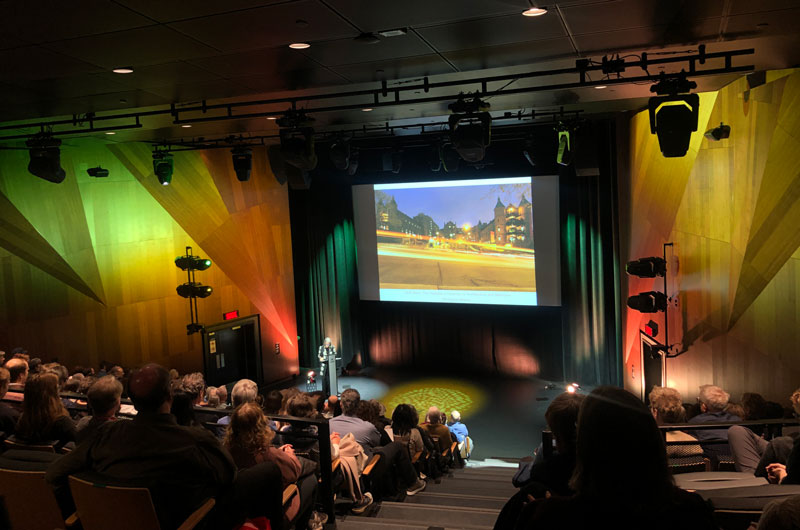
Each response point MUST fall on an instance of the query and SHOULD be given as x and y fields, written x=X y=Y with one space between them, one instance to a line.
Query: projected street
x=459 y=237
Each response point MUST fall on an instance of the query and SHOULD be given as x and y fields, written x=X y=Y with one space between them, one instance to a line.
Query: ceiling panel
x=778 y=22
x=492 y=32
x=158 y=75
x=182 y=9
x=417 y=13
x=37 y=62
x=74 y=86
x=408 y=67
x=189 y=92
x=739 y=7
x=511 y=54
x=136 y=47
x=268 y=26
x=52 y=20
x=348 y=51
x=626 y=14
x=256 y=62
x=291 y=80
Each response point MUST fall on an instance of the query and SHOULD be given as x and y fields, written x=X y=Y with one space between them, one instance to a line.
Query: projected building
x=391 y=219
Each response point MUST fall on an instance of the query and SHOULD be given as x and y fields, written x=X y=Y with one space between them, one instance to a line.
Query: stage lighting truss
x=192 y=289
x=45 y=158
x=673 y=113
x=470 y=128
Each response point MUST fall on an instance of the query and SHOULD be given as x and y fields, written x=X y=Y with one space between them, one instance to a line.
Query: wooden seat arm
x=290 y=491
x=371 y=465
x=72 y=520
x=416 y=457
x=198 y=515
x=335 y=465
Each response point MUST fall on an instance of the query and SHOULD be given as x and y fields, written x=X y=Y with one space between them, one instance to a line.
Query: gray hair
x=455 y=415
x=244 y=391
x=713 y=397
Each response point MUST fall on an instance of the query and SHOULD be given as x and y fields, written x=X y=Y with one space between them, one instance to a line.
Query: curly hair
x=668 y=403
x=248 y=429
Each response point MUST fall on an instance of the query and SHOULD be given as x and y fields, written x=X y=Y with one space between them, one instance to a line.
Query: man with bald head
x=434 y=427
x=18 y=371
x=181 y=466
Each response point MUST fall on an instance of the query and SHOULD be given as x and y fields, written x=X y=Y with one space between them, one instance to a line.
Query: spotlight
x=450 y=158
x=564 y=155
x=194 y=290
x=45 y=161
x=647 y=267
x=470 y=128
x=97 y=172
x=192 y=263
x=674 y=113
x=527 y=152
x=163 y=165
x=719 y=133
x=297 y=140
x=242 y=162
x=340 y=154
x=392 y=161
x=649 y=302
x=573 y=387
x=351 y=170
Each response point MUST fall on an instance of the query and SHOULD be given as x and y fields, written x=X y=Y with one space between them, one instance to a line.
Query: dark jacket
x=714 y=450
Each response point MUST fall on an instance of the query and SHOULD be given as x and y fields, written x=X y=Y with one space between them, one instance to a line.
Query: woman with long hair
x=403 y=429
x=621 y=476
x=44 y=418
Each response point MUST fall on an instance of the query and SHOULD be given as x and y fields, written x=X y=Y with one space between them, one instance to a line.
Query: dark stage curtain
x=590 y=273
x=326 y=283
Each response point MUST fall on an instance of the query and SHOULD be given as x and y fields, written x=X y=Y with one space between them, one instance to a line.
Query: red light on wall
x=651 y=328
x=230 y=315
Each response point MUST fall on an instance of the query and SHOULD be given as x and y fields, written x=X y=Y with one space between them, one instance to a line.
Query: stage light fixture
x=339 y=154
x=242 y=162
x=163 y=166
x=45 y=158
x=392 y=160
x=450 y=159
x=564 y=154
x=673 y=113
x=647 y=267
x=297 y=140
x=194 y=290
x=719 y=133
x=528 y=153
x=192 y=263
x=97 y=172
x=649 y=302
x=470 y=128
x=353 y=167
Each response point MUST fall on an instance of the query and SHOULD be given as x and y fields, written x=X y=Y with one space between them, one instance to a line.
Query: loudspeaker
x=297 y=179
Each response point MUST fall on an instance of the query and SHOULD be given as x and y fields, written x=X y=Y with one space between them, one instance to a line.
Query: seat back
x=15 y=443
x=29 y=501
x=100 y=507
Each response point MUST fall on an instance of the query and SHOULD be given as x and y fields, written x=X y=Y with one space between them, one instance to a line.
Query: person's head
x=300 y=406
x=404 y=418
x=212 y=398
x=562 y=418
x=712 y=398
x=104 y=396
x=41 y=405
x=753 y=405
x=349 y=400
x=455 y=416
x=327 y=342
x=735 y=409
x=434 y=416
x=117 y=371
x=148 y=388
x=222 y=394
x=194 y=385
x=174 y=375
x=18 y=370
x=35 y=364
x=183 y=408
x=244 y=391
x=368 y=411
x=5 y=380
x=666 y=405
x=273 y=401
x=85 y=383
x=72 y=384
x=248 y=429
x=616 y=431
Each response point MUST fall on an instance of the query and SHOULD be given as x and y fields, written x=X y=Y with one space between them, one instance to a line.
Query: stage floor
x=504 y=415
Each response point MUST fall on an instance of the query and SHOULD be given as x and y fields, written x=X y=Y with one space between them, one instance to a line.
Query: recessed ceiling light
x=600 y=87
x=366 y=109
x=534 y=12
x=272 y=117
x=299 y=45
x=123 y=70
x=110 y=132
x=186 y=125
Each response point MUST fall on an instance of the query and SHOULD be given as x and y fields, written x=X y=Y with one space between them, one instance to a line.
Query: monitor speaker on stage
x=232 y=351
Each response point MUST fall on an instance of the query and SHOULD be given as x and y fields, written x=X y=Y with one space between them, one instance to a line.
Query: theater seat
x=29 y=501
x=100 y=507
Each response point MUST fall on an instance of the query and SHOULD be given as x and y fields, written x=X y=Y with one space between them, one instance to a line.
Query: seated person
x=249 y=438
x=713 y=401
x=403 y=429
x=394 y=466
x=667 y=408
x=433 y=425
x=104 y=403
x=781 y=514
x=8 y=414
x=456 y=427
x=181 y=466
x=44 y=418
x=644 y=496
x=18 y=373
x=369 y=411
x=303 y=439
x=222 y=394
x=244 y=391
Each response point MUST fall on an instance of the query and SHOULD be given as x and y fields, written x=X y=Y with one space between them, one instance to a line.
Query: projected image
x=457 y=241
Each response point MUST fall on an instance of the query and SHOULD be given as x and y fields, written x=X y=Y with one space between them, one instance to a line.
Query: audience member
x=212 y=399
x=456 y=427
x=244 y=391
x=181 y=466
x=18 y=372
x=369 y=411
x=222 y=394
x=403 y=429
x=194 y=385
x=117 y=372
x=623 y=484
x=273 y=401
x=332 y=407
x=713 y=401
x=44 y=418
x=104 y=403
x=440 y=433
x=8 y=414
x=781 y=514
x=183 y=409
x=667 y=408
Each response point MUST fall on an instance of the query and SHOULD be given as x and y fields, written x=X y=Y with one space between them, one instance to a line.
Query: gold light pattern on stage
x=447 y=394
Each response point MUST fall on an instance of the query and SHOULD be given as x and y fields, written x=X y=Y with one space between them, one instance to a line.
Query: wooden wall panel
x=735 y=261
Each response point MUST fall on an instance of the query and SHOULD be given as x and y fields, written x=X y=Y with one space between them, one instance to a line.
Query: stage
x=504 y=415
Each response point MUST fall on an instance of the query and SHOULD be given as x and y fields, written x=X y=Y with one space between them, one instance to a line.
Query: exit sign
x=230 y=315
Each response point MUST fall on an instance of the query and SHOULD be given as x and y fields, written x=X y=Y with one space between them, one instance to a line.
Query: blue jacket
x=459 y=429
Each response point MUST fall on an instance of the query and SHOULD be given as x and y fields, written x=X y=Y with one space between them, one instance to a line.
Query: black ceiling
x=56 y=56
